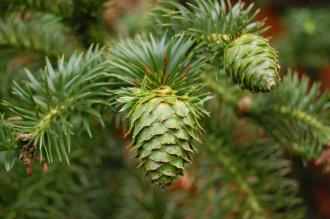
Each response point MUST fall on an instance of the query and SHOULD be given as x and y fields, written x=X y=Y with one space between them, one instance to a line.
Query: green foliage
x=222 y=88
x=142 y=201
x=155 y=62
x=307 y=42
x=210 y=20
x=58 y=7
x=212 y=23
x=88 y=188
x=8 y=135
x=252 y=63
x=247 y=181
x=158 y=81
x=81 y=16
x=241 y=174
x=295 y=115
x=26 y=40
x=222 y=31
x=86 y=20
x=57 y=95
x=40 y=35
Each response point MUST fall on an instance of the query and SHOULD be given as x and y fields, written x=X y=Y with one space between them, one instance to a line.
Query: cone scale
x=163 y=128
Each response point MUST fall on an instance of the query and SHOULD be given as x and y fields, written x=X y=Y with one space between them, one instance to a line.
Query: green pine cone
x=163 y=127
x=252 y=63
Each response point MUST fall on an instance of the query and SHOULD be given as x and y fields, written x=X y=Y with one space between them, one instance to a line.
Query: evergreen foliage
x=209 y=20
x=244 y=190
x=140 y=201
x=225 y=32
x=306 y=25
x=245 y=177
x=171 y=85
x=58 y=7
x=88 y=188
x=42 y=35
x=296 y=115
x=146 y=61
x=74 y=87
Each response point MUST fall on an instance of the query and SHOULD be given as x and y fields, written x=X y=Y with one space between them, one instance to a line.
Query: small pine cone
x=252 y=63
x=163 y=128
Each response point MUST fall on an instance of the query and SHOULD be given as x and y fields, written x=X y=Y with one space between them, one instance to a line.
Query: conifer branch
x=258 y=187
x=212 y=21
x=294 y=114
x=156 y=80
x=88 y=179
x=73 y=89
x=227 y=35
x=61 y=8
x=41 y=35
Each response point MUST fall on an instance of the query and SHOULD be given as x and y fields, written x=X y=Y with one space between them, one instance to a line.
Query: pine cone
x=163 y=128
x=252 y=63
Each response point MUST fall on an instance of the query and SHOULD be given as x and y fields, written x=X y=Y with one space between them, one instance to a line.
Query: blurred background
x=102 y=180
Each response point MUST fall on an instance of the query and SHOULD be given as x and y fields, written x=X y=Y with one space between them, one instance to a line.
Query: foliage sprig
x=71 y=88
